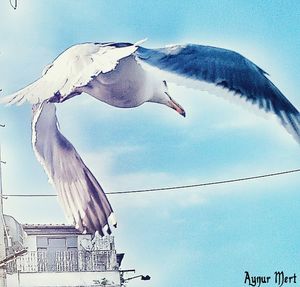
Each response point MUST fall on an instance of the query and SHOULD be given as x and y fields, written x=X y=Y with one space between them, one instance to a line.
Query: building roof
x=39 y=229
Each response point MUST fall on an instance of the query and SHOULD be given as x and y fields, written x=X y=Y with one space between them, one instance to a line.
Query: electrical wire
x=227 y=181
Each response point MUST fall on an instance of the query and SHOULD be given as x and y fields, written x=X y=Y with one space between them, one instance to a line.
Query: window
x=56 y=243
x=41 y=242
x=72 y=242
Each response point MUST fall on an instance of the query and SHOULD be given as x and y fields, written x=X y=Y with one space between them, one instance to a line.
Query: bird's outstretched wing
x=73 y=69
x=80 y=193
x=210 y=68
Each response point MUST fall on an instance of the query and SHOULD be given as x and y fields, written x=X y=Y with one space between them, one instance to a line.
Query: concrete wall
x=30 y=240
x=71 y=279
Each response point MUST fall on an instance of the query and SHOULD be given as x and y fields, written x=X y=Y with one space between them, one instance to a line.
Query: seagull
x=127 y=75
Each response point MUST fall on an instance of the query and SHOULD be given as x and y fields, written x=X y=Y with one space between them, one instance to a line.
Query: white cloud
x=103 y=165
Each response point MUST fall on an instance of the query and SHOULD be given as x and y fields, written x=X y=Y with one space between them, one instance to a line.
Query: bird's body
x=127 y=75
x=127 y=86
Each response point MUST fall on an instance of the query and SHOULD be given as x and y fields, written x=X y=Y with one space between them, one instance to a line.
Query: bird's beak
x=175 y=106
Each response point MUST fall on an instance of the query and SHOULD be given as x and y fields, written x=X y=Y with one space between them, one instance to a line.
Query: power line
x=227 y=181
x=207 y=183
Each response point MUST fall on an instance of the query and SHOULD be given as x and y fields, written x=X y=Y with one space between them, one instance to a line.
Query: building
x=60 y=256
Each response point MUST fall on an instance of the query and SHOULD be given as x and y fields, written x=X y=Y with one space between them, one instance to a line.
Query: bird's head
x=174 y=105
x=161 y=96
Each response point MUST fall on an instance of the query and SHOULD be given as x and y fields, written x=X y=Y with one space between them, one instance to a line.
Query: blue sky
x=199 y=237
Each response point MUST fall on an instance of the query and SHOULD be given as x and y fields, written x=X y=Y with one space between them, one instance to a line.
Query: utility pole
x=2 y=242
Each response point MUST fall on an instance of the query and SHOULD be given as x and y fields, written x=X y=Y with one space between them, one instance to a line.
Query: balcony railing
x=65 y=261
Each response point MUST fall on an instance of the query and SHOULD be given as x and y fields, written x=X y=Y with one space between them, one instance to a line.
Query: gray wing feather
x=83 y=198
x=225 y=69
